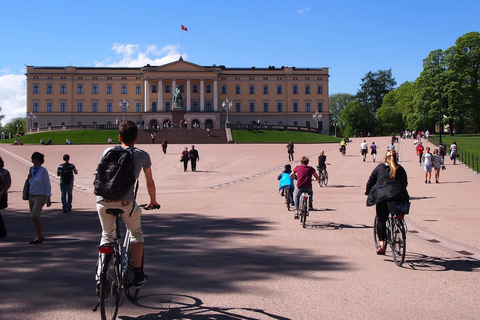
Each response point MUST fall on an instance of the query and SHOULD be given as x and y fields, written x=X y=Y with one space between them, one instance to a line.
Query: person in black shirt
x=194 y=158
x=66 y=171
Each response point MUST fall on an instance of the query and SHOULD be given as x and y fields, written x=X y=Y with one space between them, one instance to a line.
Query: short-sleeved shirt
x=304 y=176
x=63 y=166
x=141 y=160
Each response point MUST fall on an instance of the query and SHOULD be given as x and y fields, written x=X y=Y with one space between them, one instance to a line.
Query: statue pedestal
x=177 y=116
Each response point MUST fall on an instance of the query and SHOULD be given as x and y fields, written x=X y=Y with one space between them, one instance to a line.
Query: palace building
x=65 y=96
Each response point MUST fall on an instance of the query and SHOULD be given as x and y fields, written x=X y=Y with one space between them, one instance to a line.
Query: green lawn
x=273 y=136
x=76 y=136
x=468 y=145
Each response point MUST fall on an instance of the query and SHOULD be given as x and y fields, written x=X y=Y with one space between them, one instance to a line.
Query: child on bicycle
x=286 y=183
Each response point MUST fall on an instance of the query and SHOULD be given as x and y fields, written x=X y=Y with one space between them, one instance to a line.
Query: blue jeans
x=299 y=192
x=66 y=189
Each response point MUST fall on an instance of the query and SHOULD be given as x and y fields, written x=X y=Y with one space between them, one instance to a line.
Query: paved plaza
x=224 y=246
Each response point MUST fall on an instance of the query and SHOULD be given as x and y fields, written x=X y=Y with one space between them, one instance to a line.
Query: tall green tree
x=15 y=126
x=396 y=109
x=355 y=118
x=467 y=65
x=374 y=87
x=337 y=103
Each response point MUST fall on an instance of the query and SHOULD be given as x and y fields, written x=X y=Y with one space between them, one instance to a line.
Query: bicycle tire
x=304 y=213
x=325 y=180
x=375 y=233
x=129 y=277
x=288 y=199
x=399 y=242
x=109 y=288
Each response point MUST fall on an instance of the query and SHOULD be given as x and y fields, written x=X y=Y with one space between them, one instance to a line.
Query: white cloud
x=13 y=92
x=130 y=55
x=12 y=96
x=302 y=11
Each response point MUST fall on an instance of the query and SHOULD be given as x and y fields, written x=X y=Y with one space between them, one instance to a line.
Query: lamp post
x=335 y=125
x=227 y=105
x=124 y=107
x=31 y=117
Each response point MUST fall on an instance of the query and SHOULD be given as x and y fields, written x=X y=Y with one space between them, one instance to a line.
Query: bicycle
x=117 y=273
x=396 y=231
x=303 y=206
x=288 y=197
x=343 y=150
x=322 y=177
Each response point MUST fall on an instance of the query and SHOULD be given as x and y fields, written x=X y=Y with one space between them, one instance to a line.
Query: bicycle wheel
x=399 y=242
x=303 y=214
x=288 y=198
x=375 y=233
x=109 y=288
x=325 y=179
x=129 y=277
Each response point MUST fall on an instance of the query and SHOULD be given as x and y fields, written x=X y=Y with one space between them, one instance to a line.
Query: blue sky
x=349 y=37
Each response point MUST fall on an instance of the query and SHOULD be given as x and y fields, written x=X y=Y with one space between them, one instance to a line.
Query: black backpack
x=114 y=175
x=66 y=176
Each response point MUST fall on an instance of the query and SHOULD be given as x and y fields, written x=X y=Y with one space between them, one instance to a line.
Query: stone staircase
x=183 y=136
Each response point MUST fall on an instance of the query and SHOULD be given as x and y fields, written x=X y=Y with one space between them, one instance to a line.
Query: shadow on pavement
x=185 y=252
x=176 y=306
x=421 y=262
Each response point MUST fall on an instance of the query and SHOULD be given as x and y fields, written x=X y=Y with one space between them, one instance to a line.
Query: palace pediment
x=179 y=67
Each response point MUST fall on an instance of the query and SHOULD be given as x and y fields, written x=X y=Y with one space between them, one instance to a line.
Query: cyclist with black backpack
x=115 y=187
x=66 y=171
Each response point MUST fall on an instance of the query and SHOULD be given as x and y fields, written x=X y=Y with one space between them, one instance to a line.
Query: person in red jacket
x=420 y=152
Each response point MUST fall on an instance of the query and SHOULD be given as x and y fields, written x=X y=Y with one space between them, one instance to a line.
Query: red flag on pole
x=184 y=28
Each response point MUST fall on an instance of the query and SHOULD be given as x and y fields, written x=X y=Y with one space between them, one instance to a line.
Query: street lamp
x=317 y=117
x=124 y=107
x=227 y=105
x=335 y=125
x=31 y=117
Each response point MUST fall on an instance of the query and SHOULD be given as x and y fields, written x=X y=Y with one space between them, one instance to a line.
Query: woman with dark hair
x=40 y=192
x=184 y=158
x=387 y=182
x=5 y=183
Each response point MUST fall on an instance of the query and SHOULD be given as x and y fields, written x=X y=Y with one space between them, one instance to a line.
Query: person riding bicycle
x=322 y=161
x=343 y=146
x=303 y=174
x=286 y=183
x=128 y=131
x=387 y=182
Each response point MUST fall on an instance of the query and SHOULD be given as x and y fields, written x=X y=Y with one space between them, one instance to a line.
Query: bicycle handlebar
x=145 y=206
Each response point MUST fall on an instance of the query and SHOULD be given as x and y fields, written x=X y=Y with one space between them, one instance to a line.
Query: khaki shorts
x=36 y=203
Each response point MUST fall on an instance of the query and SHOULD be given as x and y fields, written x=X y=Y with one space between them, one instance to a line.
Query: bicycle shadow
x=421 y=262
x=178 y=306
x=330 y=225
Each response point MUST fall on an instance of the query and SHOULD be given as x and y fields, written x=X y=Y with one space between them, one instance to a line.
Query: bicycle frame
x=304 y=202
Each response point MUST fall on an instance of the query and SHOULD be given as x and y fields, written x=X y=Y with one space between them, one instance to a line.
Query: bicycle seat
x=114 y=211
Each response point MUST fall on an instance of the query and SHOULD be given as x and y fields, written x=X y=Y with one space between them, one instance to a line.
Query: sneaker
x=436 y=181
x=97 y=289
x=425 y=181
x=381 y=251
x=296 y=216
x=137 y=284
x=429 y=181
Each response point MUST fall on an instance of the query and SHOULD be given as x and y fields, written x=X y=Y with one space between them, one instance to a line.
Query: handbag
x=26 y=190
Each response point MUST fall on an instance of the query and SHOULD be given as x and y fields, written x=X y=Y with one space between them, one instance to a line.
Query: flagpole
x=181 y=41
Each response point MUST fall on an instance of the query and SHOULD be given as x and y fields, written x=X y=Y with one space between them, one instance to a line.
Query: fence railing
x=468 y=158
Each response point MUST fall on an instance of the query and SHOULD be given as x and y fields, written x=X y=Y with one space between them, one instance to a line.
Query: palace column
x=188 y=96
x=160 y=96
x=215 y=96
x=146 y=100
x=202 y=96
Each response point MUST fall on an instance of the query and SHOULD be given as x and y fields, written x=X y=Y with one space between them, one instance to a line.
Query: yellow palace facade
x=69 y=96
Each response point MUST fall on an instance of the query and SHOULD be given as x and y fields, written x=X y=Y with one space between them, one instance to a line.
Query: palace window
x=94 y=89
x=295 y=89
x=138 y=107
x=208 y=88
x=80 y=89
x=195 y=107
x=319 y=89
x=224 y=89
x=252 y=106
x=49 y=89
x=295 y=107
x=251 y=89
x=63 y=107
x=109 y=89
x=279 y=106
x=35 y=89
x=237 y=89
x=265 y=107
x=63 y=89
x=265 y=89
x=238 y=107
x=49 y=107
x=195 y=88
x=35 y=107
x=94 y=107
x=167 y=106
x=79 y=107
x=307 y=107
x=279 y=89
x=320 y=106
x=109 y=107
x=167 y=88
x=208 y=106
x=307 y=89
x=154 y=88
x=138 y=89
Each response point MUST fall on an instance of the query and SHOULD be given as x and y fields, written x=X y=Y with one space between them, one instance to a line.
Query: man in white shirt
x=364 y=147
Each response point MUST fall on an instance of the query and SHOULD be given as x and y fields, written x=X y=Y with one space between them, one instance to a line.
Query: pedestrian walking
x=164 y=146
x=373 y=148
x=65 y=171
x=437 y=164
x=184 y=158
x=454 y=152
x=364 y=149
x=427 y=164
x=5 y=184
x=40 y=192
x=153 y=135
x=193 y=154
x=290 y=151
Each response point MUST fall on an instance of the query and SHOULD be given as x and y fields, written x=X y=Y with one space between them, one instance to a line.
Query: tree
x=337 y=103
x=375 y=85
x=356 y=118
x=15 y=126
